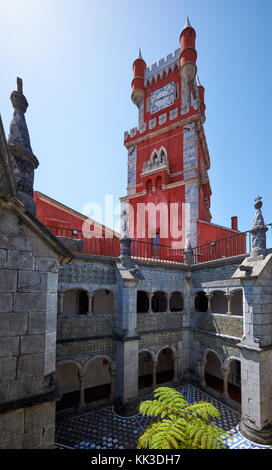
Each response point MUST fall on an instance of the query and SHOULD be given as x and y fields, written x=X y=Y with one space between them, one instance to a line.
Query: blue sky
x=75 y=58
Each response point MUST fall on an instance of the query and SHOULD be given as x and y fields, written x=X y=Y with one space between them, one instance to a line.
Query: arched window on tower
x=158 y=182
x=149 y=186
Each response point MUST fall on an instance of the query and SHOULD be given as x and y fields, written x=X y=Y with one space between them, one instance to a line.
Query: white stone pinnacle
x=187 y=23
x=139 y=54
x=198 y=81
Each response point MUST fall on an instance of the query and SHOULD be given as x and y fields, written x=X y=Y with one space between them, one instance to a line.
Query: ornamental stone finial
x=23 y=160
x=258 y=230
x=188 y=251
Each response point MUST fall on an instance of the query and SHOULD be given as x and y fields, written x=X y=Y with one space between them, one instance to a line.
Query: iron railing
x=238 y=244
x=156 y=252
x=103 y=246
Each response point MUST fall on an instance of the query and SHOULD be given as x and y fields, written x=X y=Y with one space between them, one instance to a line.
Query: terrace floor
x=103 y=429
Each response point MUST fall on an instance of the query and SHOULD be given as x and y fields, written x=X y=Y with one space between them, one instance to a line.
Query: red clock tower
x=168 y=191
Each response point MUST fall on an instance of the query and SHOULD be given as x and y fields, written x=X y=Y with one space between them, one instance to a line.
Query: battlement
x=164 y=65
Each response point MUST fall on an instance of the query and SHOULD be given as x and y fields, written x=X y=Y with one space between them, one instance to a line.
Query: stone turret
x=23 y=160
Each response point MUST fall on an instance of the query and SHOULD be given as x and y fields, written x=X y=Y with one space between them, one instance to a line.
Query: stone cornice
x=183 y=122
x=15 y=206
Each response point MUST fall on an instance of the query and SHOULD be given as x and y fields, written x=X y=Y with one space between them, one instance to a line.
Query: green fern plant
x=179 y=425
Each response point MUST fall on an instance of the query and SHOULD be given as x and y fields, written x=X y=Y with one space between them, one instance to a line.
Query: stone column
x=225 y=373
x=168 y=302
x=154 y=370
x=203 y=365
x=113 y=381
x=210 y=296
x=175 y=378
x=228 y=297
x=126 y=399
x=90 y=297
x=61 y=297
x=150 y=302
x=82 y=404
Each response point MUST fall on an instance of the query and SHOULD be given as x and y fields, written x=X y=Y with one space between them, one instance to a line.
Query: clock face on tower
x=162 y=97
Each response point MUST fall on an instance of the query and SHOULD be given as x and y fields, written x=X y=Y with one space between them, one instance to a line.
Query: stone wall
x=28 y=285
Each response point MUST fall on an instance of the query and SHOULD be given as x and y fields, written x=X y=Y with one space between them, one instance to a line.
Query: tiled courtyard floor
x=103 y=429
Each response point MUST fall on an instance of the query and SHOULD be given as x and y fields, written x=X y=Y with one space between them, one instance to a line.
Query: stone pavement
x=103 y=429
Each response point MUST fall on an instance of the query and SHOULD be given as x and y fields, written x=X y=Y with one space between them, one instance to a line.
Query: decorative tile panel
x=162 y=278
x=87 y=272
x=159 y=321
x=82 y=326
x=221 y=324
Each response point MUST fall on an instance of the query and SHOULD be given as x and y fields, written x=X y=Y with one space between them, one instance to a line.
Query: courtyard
x=104 y=429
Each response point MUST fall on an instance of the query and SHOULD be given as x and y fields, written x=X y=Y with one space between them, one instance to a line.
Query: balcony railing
x=156 y=252
x=238 y=244
x=102 y=246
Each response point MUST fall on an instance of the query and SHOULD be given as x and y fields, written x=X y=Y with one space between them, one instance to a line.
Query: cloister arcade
x=157 y=369
x=159 y=301
x=79 y=301
x=224 y=377
x=220 y=301
x=82 y=385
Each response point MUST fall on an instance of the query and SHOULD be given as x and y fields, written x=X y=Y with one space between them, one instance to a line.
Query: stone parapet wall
x=215 y=276
x=85 y=349
x=220 y=324
x=84 y=327
x=147 y=322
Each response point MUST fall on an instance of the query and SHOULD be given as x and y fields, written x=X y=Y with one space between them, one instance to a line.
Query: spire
x=187 y=23
x=139 y=54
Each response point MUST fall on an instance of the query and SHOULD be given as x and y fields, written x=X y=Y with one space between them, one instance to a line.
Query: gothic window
x=155 y=159
x=149 y=186
x=158 y=182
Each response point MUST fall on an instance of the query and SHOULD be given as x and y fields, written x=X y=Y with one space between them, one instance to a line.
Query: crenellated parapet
x=164 y=65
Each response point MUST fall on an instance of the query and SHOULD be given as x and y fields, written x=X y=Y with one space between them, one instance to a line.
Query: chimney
x=234 y=222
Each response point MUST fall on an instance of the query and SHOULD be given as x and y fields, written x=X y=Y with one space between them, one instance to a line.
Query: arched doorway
x=213 y=375
x=165 y=366
x=145 y=374
x=97 y=381
x=67 y=376
x=234 y=380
